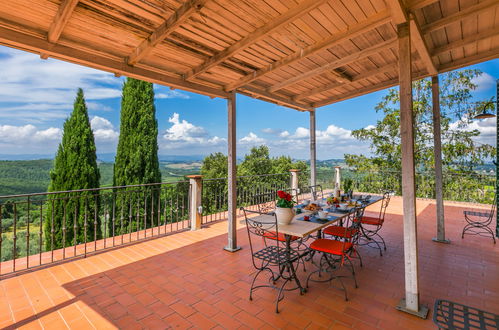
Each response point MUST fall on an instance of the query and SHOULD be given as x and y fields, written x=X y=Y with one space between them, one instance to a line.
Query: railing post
x=195 y=211
x=294 y=182
x=337 y=177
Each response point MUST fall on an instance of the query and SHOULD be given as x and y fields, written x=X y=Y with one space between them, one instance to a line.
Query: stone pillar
x=195 y=209
x=337 y=177
x=313 y=153
x=294 y=183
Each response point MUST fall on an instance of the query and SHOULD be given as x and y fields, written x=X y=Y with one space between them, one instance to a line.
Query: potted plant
x=284 y=208
x=348 y=185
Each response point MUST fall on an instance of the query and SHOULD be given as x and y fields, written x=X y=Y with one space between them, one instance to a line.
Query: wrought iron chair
x=370 y=226
x=273 y=254
x=265 y=202
x=352 y=233
x=478 y=222
x=336 y=252
x=316 y=191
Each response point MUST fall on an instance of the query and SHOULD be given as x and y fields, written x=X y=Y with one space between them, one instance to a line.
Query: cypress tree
x=136 y=159
x=70 y=216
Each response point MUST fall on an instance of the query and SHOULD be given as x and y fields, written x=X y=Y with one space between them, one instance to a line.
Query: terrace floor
x=186 y=280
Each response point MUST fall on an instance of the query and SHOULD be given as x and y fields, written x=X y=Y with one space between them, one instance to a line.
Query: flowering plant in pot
x=284 y=207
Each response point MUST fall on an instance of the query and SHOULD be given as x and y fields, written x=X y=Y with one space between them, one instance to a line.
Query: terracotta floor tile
x=186 y=279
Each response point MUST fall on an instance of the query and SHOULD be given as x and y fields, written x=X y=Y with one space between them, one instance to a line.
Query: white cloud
x=187 y=136
x=45 y=89
x=29 y=139
x=484 y=82
x=251 y=138
x=486 y=127
x=284 y=134
x=171 y=94
x=104 y=132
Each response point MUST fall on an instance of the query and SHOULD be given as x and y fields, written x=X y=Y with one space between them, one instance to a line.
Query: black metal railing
x=464 y=187
x=42 y=228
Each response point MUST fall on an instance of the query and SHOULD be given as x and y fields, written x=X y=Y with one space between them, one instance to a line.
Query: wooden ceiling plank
x=26 y=41
x=335 y=64
x=164 y=30
x=418 y=4
x=467 y=61
x=256 y=35
x=472 y=10
x=61 y=19
x=397 y=11
x=364 y=75
x=370 y=23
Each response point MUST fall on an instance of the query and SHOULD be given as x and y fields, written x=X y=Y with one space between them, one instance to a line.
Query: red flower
x=288 y=197
x=281 y=194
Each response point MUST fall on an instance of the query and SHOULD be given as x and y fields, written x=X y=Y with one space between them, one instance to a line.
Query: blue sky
x=36 y=97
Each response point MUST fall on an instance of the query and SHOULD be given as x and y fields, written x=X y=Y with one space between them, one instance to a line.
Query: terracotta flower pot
x=284 y=215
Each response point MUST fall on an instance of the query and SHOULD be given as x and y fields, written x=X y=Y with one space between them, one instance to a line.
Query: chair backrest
x=384 y=205
x=351 y=225
x=316 y=191
x=265 y=201
x=262 y=225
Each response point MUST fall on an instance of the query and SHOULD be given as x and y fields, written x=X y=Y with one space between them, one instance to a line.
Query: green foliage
x=75 y=167
x=460 y=151
x=24 y=177
x=137 y=154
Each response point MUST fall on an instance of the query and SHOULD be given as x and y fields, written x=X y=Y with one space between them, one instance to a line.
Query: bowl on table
x=322 y=214
x=343 y=207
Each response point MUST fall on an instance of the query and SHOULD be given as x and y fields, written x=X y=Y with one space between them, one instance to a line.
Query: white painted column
x=337 y=177
x=313 y=153
x=411 y=302
x=195 y=211
x=232 y=175
x=294 y=183
x=437 y=150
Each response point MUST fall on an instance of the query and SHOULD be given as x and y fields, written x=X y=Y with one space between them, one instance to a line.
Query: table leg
x=292 y=271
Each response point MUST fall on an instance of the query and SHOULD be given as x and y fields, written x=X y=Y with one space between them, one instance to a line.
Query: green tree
x=460 y=151
x=137 y=155
x=75 y=167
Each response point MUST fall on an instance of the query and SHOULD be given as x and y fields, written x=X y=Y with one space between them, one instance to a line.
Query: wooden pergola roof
x=302 y=54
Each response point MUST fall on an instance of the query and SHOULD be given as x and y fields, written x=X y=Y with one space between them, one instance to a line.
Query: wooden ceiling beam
x=61 y=19
x=472 y=10
x=467 y=61
x=280 y=100
x=400 y=15
x=165 y=29
x=365 y=90
x=364 y=75
x=257 y=35
x=419 y=43
x=466 y=41
x=418 y=4
x=29 y=42
x=335 y=64
x=367 y=25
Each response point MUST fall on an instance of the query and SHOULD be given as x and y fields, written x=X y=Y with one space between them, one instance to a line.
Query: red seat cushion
x=280 y=237
x=372 y=221
x=340 y=231
x=331 y=246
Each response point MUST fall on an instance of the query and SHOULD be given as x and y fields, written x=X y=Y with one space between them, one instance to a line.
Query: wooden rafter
x=361 y=76
x=418 y=4
x=367 y=25
x=399 y=14
x=421 y=47
x=165 y=29
x=485 y=56
x=466 y=41
x=335 y=64
x=61 y=19
x=280 y=100
x=365 y=90
x=93 y=59
x=257 y=35
x=472 y=10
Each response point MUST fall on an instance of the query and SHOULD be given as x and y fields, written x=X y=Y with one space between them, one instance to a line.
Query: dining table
x=301 y=227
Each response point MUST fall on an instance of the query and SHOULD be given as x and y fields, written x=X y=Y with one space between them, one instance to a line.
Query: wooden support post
x=313 y=169
x=411 y=302
x=337 y=177
x=195 y=210
x=437 y=151
x=295 y=187
x=232 y=175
